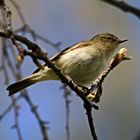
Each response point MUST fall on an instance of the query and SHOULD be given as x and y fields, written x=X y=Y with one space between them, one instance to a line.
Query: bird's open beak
x=121 y=41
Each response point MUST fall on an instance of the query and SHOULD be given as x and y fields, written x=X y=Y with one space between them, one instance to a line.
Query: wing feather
x=66 y=50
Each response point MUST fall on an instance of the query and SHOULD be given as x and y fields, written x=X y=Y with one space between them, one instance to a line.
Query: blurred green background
x=70 y=22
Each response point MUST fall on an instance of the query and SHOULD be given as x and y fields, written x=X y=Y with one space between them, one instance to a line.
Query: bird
x=82 y=63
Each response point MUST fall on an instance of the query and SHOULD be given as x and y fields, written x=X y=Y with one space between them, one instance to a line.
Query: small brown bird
x=82 y=62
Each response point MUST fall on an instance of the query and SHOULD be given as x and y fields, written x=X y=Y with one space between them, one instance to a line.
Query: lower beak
x=121 y=41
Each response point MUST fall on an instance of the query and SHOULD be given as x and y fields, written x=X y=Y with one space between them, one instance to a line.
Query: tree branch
x=124 y=7
x=16 y=114
x=42 y=124
x=90 y=121
x=67 y=93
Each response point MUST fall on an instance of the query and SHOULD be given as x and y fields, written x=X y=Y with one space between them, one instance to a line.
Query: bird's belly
x=86 y=75
x=82 y=66
x=84 y=72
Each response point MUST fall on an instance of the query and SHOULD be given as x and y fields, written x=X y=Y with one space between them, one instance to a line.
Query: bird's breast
x=82 y=66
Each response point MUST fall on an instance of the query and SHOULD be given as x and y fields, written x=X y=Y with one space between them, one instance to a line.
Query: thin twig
x=4 y=68
x=124 y=7
x=9 y=18
x=16 y=114
x=7 y=110
x=42 y=124
x=18 y=11
x=28 y=29
x=67 y=104
x=90 y=121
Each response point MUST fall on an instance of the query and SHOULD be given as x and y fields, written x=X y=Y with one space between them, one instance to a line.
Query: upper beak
x=121 y=41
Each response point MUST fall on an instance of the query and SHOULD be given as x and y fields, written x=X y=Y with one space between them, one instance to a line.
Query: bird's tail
x=16 y=87
x=46 y=74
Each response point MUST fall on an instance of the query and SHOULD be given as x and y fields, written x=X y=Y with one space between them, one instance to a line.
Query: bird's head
x=108 y=39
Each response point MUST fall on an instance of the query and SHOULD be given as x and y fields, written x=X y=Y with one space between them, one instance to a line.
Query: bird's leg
x=93 y=86
x=98 y=93
x=94 y=92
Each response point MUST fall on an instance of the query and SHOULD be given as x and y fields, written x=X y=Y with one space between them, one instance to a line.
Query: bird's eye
x=109 y=38
x=104 y=39
x=112 y=39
